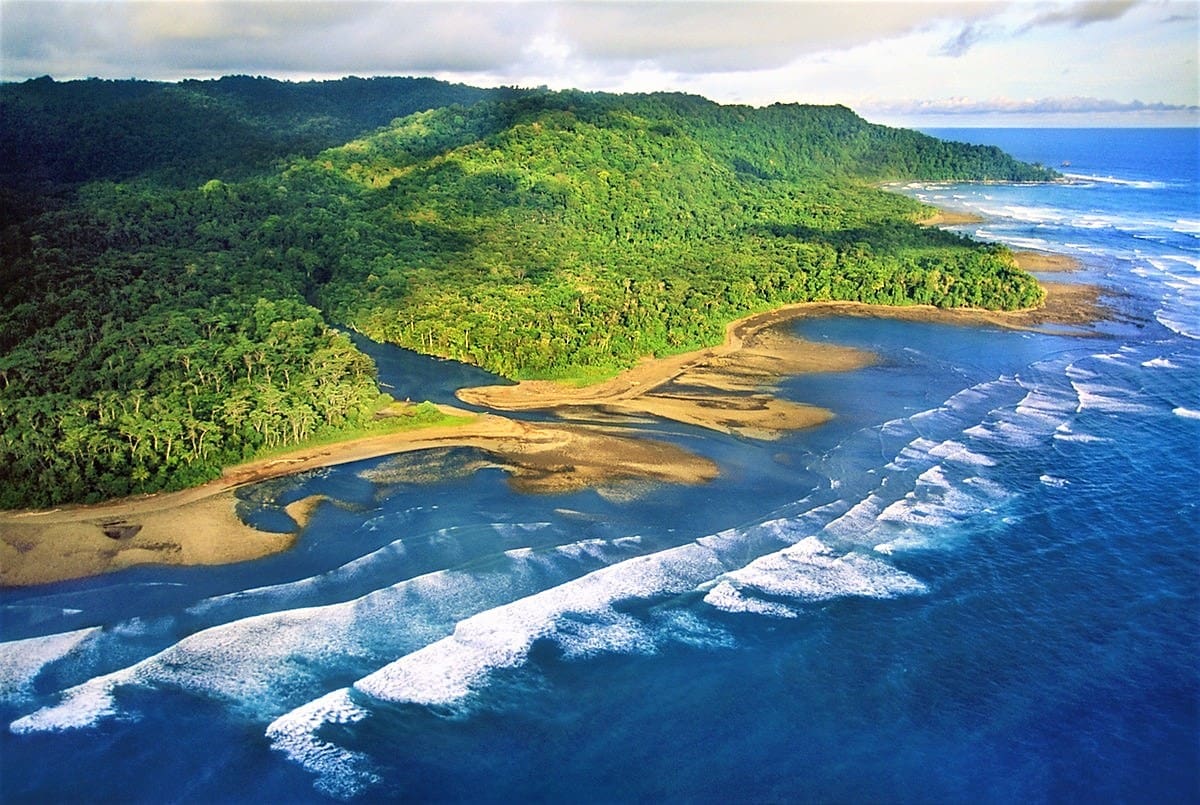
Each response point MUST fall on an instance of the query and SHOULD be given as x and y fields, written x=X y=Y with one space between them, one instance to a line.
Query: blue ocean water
x=980 y=582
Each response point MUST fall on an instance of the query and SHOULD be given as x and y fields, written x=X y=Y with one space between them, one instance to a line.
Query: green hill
x=167 y=315
x=556 y=232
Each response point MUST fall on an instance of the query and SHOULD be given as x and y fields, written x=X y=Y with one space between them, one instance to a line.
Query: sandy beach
x=199 y=526
x=727 y=388
x=951 y=218
x=1046 y=262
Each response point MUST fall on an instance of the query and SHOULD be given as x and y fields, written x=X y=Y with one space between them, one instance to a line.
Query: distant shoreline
x=951 y=218
x=726 y=388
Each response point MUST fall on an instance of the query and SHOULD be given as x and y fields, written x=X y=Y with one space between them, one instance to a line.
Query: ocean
x=980 y=582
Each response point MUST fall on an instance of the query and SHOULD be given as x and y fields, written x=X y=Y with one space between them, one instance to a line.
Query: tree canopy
x=173 y=255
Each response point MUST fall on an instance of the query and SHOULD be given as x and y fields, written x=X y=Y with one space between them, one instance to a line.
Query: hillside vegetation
x=167 y=294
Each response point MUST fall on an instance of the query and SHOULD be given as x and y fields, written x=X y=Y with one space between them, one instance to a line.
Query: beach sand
x=1046 y=262
x=727 y=388
x=951 y=218
x=181 y=529
x=199 y=526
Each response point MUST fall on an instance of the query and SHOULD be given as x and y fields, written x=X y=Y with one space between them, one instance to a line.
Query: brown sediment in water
x=200 y=526
x=727 y=388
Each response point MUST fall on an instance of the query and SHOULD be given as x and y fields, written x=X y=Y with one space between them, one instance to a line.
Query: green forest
x=175 y=256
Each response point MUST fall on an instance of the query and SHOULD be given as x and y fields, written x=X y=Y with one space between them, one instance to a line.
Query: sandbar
x=199 y=526
x=727 y=388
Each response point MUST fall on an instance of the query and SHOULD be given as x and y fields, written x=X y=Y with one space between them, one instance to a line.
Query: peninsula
x=166 y=308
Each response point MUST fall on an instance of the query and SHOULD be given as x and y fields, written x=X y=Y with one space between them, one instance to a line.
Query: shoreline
x=754 y=357
x=951 y=218
x=199 y=526
x=726 y=388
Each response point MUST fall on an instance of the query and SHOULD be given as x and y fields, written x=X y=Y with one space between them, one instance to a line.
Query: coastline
x=755 y=356
x=951 y=218
x=199 y=526
x=727 y=388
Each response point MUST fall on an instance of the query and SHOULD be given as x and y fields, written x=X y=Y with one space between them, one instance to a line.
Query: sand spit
x=727 y=388
x=82 y=541
x=724 y=388
x=199 y=526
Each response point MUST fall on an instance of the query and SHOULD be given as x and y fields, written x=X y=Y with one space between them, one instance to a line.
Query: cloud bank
x=1009 y=106
x=822 y=51
x=380 y=37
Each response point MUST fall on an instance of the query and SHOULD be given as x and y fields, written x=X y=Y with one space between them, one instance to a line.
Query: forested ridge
x=169 y=281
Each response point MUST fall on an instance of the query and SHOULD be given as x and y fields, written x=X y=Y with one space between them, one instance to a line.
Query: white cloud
x=1000 y=111
x=1076 y=105
x=824 y=51
x=1077 y=15
x=742 y=36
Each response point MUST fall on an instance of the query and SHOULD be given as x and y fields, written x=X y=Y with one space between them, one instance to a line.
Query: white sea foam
x=276 y=595
x=341 y=773
x=937 y=500
x=1054 y=481
x=1140 y=184
x=1180 y=308
x=811 y=571
x=956 y=451
x=21 y=661
x=915 y=453
x=1066 y=433
x=1177 y=322
x=446 y=672
x=1108 y=398
x=1076 y=372
x=81 y=706
x=1187 y=225
x=1016 y=241
x=1186 y=413
x=1032 y=214
x=612 y=633
x=263 y=664
x=380 y=563
x=583 y=618
x=1160 y=363
x=859 y=519
x=725 y=596
x=1035 y=416
x=1047 y=405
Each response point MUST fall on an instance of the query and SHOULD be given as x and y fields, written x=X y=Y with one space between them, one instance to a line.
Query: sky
x=923 y=63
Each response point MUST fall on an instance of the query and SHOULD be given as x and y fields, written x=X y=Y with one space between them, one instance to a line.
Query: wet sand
x=199 y=526
x=727 y=388
x=1046 y=262
x=36 y=548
